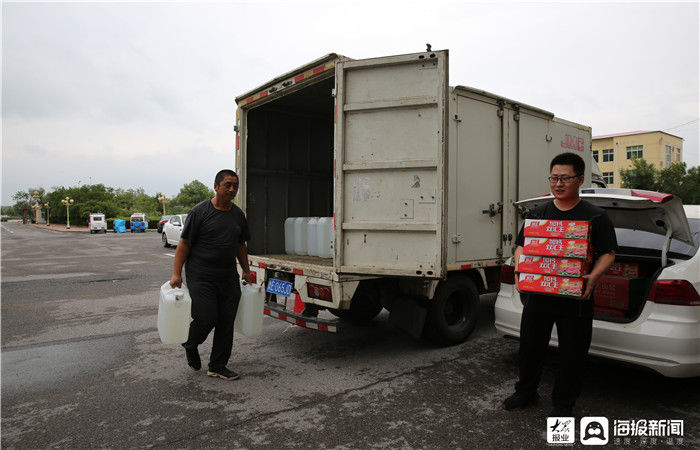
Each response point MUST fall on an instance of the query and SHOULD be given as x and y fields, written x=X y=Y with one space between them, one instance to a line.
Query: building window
x=678 y=155
x=608 y=155
x=608 y=177
x=669 y=155
x=635 y=151
x=595 y=155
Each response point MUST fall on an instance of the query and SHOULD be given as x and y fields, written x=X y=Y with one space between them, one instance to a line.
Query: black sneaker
x=519 y=400
x=562 y=411
x=193 y=358
x=224 y=374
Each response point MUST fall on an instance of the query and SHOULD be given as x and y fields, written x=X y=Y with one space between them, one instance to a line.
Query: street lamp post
x=47 y=213
x=163 y=199
x=67 y=201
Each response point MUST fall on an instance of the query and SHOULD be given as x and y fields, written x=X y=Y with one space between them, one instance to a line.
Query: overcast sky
x=142 y=95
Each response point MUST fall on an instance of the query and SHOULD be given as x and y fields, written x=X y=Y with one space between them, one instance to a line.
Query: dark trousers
x=214 y=306
x=574 y=334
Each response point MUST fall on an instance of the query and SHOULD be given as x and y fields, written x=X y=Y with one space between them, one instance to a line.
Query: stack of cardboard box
x=556 y=255
x=615 y=288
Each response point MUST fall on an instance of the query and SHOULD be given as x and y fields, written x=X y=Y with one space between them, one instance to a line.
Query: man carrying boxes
x=555 y=251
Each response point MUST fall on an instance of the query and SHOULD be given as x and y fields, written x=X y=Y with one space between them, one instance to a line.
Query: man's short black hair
x=223 y=174
x=569 y=159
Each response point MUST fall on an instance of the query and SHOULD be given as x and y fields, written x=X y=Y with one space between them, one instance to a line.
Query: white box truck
x=419 y=177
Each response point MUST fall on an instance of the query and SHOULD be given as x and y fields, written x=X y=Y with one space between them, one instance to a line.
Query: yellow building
x=616 y=151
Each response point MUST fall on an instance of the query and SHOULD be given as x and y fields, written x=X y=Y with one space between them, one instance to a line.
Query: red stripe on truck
x=298 y=78
x=263 y=265
x=298 y=271
x=318 y=70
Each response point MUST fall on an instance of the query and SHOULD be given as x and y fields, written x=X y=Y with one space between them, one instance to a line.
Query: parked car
x=97 y=223
x=660 y=328
x=138 y=222
x=162 y=222
x=172 y=230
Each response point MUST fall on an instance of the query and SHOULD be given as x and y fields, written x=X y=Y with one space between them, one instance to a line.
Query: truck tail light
x=319 y=291
x=507 y=274
x=674 y=292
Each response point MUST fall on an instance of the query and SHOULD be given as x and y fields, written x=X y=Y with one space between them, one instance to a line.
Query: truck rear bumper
x=278 y=311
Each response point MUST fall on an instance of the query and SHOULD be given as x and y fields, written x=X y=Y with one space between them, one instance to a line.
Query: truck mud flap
x=278 y=312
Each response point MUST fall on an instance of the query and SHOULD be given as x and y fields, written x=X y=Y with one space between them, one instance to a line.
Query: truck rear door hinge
x=457 y=238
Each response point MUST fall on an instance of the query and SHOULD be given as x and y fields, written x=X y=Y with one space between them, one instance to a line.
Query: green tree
x=671 y=179
x=642 y=175
x=192 y=193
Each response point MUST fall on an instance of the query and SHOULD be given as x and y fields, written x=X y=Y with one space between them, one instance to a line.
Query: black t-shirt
x=602 y=238
x=214 y=236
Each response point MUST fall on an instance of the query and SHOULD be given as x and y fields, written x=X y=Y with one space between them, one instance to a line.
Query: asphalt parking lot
x=82 y=366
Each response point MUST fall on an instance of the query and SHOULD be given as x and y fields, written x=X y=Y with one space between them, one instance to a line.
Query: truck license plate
x=279 y=287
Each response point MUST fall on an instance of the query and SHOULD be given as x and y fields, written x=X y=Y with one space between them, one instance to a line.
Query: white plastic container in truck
x=419 y=177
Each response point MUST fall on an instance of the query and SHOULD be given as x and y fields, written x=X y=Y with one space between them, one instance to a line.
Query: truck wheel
x=365 y=305
x=453 y=312
x=104 y=231
x=165 y=240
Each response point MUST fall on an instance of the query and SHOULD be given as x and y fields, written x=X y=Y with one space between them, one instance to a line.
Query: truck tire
x=365 y=306
x=165 y=240
x=453 y=313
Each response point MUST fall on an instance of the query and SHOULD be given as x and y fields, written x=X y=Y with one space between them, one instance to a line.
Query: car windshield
x=98 y=218
x=644 y=243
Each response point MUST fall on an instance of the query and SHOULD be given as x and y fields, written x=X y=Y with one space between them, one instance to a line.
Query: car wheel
x=104 y=231
x=453 y=312
x=365 y=305
x=165 y=240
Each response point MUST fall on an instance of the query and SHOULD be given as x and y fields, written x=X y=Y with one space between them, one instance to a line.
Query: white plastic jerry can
x=250 y=310
x=300 y=235
x=174 y=314
x=289 y=235
x=311 y=240
x=324 y=237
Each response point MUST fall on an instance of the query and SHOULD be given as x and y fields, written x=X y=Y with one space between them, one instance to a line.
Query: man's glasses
x=564 y=179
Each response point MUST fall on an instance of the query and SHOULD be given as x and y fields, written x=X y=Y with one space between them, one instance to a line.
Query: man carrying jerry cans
x=214 y=235
x=572 y=314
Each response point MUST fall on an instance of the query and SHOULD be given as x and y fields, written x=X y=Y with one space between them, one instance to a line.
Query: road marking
x=7 y=229
x=46 y=276
x=169 y=254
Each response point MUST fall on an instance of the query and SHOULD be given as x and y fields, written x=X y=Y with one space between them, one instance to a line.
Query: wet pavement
x=82 y=366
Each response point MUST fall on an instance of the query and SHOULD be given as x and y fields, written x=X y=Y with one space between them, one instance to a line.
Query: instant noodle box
x=610 y=312
x=576 y=229
x=615 y=292
x=563 y=248
x=623 y=269
x=550 y=284
x=549 y=265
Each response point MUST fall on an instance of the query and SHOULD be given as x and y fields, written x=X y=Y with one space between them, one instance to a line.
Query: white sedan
x=172 y=230
x=658 y=326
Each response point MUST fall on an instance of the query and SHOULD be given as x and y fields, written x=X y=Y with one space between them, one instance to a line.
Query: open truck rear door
x=391 y=145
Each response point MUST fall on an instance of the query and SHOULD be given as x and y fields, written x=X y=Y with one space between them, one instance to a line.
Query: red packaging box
x=550 y=284
x=563 y=248
x=610 y=312
x=575 y=229
x=616 y=292
x=623 y=269
x=549 y=265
